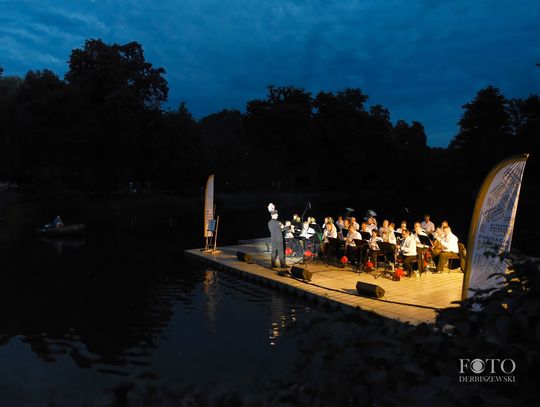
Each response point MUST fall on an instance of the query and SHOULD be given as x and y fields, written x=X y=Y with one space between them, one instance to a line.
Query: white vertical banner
x=492 y=226
x=208 y=205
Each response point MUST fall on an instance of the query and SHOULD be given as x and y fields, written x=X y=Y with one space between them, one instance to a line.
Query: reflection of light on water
x=210 y=288
x=281 y=322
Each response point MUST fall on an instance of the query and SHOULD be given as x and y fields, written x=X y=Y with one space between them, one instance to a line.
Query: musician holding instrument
x=371 y=224
x=402 y=227
x=350 y=245
x=408 y=251
x=427 y=225
x=450 y=248
x=340 y=223
x=374 y=247
x=420 y=247
x=329 y=248
x=391 y=235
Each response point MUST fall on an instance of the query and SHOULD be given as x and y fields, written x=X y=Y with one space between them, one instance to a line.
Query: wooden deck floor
x=431 y=290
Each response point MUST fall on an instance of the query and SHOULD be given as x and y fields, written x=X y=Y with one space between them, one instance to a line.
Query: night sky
x=423 y=60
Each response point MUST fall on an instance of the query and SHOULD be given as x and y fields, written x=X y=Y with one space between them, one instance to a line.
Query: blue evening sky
x=421 y=59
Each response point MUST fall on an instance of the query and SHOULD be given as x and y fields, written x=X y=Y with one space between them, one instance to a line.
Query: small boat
x=69 y=230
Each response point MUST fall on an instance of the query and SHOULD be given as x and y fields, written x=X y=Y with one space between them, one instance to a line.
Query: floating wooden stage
x=403 y=300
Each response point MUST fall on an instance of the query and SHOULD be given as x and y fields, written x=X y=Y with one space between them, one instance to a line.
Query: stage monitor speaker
x=299 y=272
x=369 y=290
x=246 y=258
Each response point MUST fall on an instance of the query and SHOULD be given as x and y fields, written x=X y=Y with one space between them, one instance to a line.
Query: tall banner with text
x=208 y=205
x=492 y=225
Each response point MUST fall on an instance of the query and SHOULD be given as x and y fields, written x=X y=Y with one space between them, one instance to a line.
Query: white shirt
x=391 y=237
x=373 y=242
x=356 y=225
x=332 y=234
x=369 y=228
x=307 y=233
x=449 y=243
x=351 y=237
x=408 y=246
x=429 y=227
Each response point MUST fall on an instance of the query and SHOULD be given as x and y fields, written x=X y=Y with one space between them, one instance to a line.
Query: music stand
x=424 y=240
x=365 y=235
x=330 y=255
x=389 y=252
x=361 y=246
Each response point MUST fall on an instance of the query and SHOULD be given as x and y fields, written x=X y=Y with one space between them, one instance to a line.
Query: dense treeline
x=104 y=125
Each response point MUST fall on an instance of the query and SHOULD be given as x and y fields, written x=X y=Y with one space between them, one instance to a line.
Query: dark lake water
x=83 y=318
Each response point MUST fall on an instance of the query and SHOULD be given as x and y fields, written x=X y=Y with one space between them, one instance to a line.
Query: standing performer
x=276 y=239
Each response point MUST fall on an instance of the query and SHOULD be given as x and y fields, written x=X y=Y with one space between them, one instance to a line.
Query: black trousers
x=277 y=251
x=408 y=262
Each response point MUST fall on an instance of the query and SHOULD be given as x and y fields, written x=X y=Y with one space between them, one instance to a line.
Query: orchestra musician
x=355 y=223
x=408 y=251
x=427 y=225
x=449 y=248
x=374 y=247
x=384 y=227
x=329 y=248
x=391 y=235
x=350 y=245
x=296 y=221
x=290 y=240
x=340 y=222
x=438 y=235
x=421 y=249
x=307 y=231
x=363 y=228
x=371 y=224
x=402 y=227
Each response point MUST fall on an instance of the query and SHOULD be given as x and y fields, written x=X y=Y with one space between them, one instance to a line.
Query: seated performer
x=420 y=248
x=329 y=248
x=449 y=247
x=350 y=245
x=428 y=225
x=355 y=223
x=340 y=222
x=408 y=251
x=374 y=247
x=290 y=240
x=297 y=223
x=307 y=231
x=391 y=235
x=364 y=228
x=371 y=224
x=384 y=227
x=403 y=226
x=438 y=234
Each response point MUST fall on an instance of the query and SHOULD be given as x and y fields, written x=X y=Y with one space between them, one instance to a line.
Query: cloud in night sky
x=423 y=60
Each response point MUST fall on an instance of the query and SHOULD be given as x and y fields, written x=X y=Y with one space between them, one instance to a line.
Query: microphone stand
x=308 y=206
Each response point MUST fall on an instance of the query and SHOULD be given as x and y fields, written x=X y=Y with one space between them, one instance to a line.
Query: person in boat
x=57 y=223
